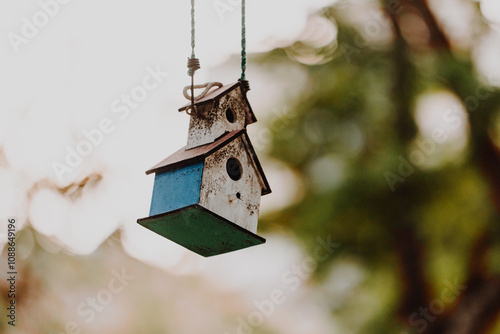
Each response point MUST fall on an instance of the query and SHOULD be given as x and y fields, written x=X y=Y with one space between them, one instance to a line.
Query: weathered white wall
x=218 y=190
x=210 y=122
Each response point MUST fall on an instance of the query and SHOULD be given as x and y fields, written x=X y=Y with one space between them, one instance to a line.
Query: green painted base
x=201 y=231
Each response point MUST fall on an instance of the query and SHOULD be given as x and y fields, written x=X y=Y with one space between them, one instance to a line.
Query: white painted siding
x=218 y=190
x=210 y=122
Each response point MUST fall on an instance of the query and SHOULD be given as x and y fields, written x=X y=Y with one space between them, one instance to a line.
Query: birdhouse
x=224 y=110
x=206 y=196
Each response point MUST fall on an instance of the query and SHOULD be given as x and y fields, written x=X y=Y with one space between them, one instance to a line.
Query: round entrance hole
x=231 y=117
x=233 y=168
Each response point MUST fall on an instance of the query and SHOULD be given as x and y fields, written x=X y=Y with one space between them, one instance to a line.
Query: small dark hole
x=230 y=115
x=238 y=195
x=233 y=168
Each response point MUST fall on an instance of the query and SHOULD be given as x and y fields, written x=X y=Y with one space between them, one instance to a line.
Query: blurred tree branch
x=410 y=250
x=438 y=39
x=480 y=303
x=430 y=211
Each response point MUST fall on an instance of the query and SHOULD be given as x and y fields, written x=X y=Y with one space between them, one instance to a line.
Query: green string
x=243 y=42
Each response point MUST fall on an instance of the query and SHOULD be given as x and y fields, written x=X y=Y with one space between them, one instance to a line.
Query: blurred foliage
x=406 y=231
x=355 y=122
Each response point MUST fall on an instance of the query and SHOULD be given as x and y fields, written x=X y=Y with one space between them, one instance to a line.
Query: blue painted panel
x=176 y=189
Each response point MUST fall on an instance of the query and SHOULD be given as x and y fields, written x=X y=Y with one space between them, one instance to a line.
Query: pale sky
x=68 y=76
x=65 y=73
x=65 y=69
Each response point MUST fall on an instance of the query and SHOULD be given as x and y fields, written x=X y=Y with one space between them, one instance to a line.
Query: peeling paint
x=217 y=187
x=209 y=122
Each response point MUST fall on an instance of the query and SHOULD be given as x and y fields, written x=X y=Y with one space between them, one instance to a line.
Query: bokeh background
x=379 y=131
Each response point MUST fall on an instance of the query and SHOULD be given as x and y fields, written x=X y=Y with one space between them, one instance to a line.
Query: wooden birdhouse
x=206 y=196
x=224 y=110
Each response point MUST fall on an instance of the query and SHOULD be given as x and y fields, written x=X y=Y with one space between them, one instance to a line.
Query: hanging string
x=243 y=42
x=193 y=62
x=243 y=80
x=192 y=29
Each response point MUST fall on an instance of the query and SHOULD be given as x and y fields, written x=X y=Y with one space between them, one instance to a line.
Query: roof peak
x=221 y=91
x=184 y=157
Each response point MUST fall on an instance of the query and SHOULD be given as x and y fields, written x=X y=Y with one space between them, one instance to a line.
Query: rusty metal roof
x=185 y=157
x=215 y=94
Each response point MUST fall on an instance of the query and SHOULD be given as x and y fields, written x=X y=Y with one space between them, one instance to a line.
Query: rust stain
x=209 y=121
x=218 y=189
